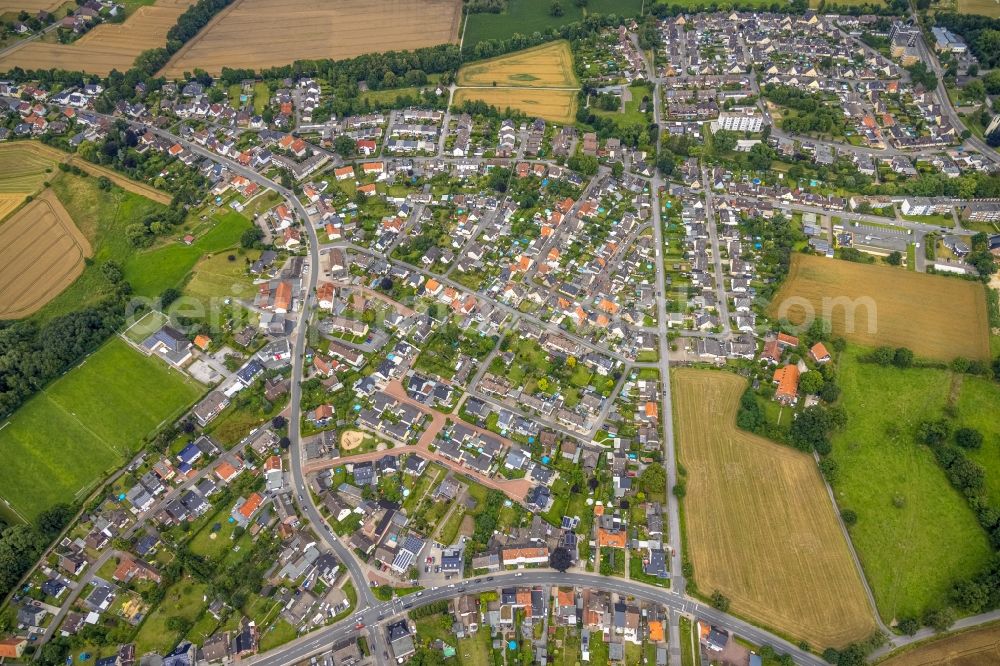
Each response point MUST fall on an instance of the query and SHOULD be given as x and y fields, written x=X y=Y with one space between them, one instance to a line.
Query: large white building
x=742 y=121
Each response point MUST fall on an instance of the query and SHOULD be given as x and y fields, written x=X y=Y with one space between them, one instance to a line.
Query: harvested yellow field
x=558 y=106
x=10 y=201
x=106 y=47
x=30 y=6
x=41 y=253
x=761 y=528
x=25 y=165
x=121 y=181
x=937 y=317
x=989 y=8
x=969 y=648
x=267 y=33
x=546 y=66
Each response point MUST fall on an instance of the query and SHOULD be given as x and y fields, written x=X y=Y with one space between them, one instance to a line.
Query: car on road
x=518 y=575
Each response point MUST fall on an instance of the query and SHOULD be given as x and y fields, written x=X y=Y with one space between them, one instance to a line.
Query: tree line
x=22 y=545
x=33 y=354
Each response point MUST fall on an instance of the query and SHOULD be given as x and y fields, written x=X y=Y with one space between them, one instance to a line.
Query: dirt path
x=123 y=182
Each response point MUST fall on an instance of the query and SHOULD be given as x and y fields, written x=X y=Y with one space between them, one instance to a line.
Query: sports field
x=268 y=33
x=65 y=439
x=546 y=66
x=760 y=525
x=528 y=16
x=558 y=106
x=937 y=317
x=41 y=253
x=106 y=47
x=915 y=534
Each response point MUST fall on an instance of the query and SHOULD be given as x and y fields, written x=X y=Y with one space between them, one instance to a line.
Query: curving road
x=319 y=641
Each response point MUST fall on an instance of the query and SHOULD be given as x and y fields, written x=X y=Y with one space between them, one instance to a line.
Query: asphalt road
x=321 y=640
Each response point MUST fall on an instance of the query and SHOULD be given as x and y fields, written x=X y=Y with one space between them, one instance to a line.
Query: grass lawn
x=211 y=548
x=449 y=532
x=631 y=115
x=475 y=650
x=687 y=642
x=261 y=97
x=279 y=634
x=528 y=16
x=216 y=277
x=978 y=403
x=167 y=265
x=184 y=599
x=63 y=440
x=434 y=627
x=912 y=554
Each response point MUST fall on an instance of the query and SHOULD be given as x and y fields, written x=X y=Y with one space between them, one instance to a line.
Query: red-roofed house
x=787 y=379
x=246 y=508
x=819 y=353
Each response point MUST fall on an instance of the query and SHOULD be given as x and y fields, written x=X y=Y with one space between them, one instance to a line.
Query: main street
x=320 y=640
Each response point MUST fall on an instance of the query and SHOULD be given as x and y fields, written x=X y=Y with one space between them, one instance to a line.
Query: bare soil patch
x=351 y=439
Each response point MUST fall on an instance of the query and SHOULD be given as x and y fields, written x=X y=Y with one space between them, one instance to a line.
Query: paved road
x=321 y=640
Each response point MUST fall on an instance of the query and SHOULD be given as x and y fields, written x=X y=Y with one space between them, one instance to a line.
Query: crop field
x=984 y=7
x=8 y=202
x=937 y=317
x=24 y=166
x=528 y=16
x=547 y=66
x=106 y=47
x=65 y=439
x=123 y=182
x=30 y=6
x=906 y=508
x=41 y=253
x=265 y=33
x=558 y=106
x=969 y=648
x=760 y=526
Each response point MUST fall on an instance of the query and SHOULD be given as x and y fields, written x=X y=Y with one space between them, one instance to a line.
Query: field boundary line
x=103 y=441
x=198 y=37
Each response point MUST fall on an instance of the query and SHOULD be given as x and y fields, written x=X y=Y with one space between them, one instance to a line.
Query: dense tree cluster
x=33 y=354
x=814 y=115
x=21 y=545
